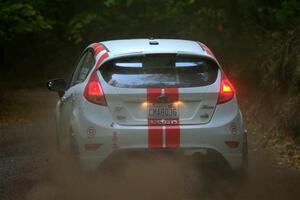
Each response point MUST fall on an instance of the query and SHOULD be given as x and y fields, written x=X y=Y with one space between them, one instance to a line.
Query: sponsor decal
x=91 y=132
x=163 y=121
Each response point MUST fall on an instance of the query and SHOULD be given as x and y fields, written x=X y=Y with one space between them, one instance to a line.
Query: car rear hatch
x=160 y=89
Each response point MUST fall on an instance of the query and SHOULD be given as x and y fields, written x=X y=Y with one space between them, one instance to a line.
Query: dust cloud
x=158 y=177
x=32 y=169
x=134 y=176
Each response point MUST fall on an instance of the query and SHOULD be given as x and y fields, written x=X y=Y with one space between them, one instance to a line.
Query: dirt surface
x=30 y=167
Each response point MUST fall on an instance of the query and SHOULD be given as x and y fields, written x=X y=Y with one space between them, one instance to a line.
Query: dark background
x=256 y=41
x=40 y=39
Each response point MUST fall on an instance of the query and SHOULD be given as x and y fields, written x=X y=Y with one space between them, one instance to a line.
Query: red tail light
x=93 y=91
x=226 y=90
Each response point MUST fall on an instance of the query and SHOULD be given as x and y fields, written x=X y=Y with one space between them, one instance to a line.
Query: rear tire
x=242 y=174
x=68 y=149
x=66 y=143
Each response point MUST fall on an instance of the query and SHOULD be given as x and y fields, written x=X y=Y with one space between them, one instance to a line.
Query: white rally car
x=149 y=94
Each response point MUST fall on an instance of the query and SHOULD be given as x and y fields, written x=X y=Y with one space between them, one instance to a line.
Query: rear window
x=159 y=70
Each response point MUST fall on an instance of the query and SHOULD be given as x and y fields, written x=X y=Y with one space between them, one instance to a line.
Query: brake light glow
x=93 y=91
x=226 y=90
x=145 y=104
x=178 y=104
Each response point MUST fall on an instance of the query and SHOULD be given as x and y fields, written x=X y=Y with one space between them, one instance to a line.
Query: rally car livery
x=148 y=94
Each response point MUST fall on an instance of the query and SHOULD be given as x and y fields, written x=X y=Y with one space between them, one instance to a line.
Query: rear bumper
x=111 y=137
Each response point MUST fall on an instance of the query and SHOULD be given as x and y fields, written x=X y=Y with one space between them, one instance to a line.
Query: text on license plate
x=162 y=111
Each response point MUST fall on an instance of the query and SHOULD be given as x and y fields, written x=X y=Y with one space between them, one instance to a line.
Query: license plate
x=162 y=111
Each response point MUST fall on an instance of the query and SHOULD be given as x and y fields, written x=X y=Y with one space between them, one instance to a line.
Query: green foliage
x=263 y=18
x=79 y=25
x=217 y=22
x=21 y=18
x=287 y=15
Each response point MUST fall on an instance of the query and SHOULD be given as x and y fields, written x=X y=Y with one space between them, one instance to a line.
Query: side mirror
x=57 y=85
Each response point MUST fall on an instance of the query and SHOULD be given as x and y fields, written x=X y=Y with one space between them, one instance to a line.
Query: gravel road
x=30 y=168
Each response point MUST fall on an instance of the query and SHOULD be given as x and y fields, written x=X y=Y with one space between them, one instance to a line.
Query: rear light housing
x=93 y=91
x=226 y=90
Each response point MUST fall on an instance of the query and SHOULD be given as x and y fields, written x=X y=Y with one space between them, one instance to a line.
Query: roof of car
x=133 y=46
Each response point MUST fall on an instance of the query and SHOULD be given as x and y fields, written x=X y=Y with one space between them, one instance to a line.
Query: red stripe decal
x=173 y=136
x=155 y=137
x=97 y=48
x=152 y=94
x=172 y=93
x=172 y=131
x=101 y=59
x=95 y=45
x=155 y=133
